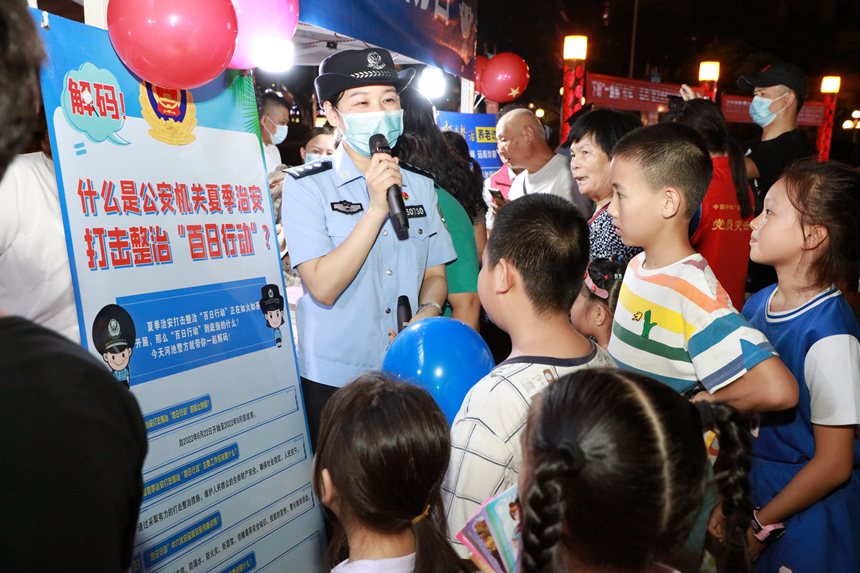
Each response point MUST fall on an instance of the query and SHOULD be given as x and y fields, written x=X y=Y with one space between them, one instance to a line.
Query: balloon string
x=477 y=103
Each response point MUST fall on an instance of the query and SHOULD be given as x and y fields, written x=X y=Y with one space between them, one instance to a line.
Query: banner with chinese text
x=179 y=290
x=479 y=129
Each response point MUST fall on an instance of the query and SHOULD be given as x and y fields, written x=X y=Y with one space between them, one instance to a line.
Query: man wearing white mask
x=352 y=262
x=778 y=94
x=274 y=124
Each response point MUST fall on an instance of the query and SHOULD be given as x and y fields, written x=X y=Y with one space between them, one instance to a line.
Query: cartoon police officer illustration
x=272 y=307
x=113 y=336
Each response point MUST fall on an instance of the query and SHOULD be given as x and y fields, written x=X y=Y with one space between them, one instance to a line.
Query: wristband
x=432 y=303
x=766 y=533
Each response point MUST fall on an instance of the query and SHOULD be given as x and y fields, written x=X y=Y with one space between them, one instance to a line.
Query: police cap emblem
x=374 y=61
x=113 y=328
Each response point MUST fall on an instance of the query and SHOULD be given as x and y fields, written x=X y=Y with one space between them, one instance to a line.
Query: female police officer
x=351 y=261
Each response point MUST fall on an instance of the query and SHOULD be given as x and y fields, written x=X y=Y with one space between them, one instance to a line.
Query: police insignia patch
x=346 y=207
x=308 y=169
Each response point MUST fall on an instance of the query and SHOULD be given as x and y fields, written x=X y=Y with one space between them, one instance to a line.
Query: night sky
x=821 y=36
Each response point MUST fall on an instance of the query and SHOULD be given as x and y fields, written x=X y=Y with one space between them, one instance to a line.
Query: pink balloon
x=179 y=44
x=262 y=19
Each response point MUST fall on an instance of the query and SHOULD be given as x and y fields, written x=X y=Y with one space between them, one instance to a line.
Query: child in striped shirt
x=674 y=321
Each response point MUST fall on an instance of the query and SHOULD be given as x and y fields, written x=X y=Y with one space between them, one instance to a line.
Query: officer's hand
x=382 y=174
x=282 y=240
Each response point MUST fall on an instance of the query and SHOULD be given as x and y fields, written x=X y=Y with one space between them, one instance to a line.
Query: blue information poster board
x=479 y=129
x=179 y=291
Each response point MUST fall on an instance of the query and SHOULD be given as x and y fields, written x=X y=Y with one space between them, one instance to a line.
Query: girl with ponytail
x=614 y=474
x=383 y=449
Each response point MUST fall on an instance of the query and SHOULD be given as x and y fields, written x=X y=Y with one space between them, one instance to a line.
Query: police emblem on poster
x=169 y=112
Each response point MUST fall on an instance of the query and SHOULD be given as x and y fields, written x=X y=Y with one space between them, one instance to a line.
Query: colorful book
x=477 y=537
x=505 y=521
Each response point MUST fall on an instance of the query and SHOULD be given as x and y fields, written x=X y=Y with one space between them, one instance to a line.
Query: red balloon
x=179 y=44
x=505 y=77
x=480 y=64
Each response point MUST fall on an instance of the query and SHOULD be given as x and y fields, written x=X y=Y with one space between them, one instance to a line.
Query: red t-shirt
x=722 y=236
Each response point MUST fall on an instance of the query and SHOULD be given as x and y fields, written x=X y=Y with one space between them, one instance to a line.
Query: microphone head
x=379 y=144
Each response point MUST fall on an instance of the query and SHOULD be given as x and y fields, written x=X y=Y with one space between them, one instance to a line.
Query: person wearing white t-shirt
x=529 y=297
x=521 y=138
x=35 y=277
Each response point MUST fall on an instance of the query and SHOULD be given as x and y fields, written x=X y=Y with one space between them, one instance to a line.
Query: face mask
x=280 y=132
x=360 y=126
x=760 y=110
x=311 y=157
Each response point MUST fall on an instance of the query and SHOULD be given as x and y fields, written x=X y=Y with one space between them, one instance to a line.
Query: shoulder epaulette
x=418 y=170
x=308 y=169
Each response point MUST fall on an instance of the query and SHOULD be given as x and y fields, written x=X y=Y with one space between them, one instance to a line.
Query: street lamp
x=831 y=84
x=829 y=88
x=575 y=47
x=853 y=124
x=574 y=51
x=709 y=75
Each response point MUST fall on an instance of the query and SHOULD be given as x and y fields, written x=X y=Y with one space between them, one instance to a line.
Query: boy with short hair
x=533 y=269
x=674 y=322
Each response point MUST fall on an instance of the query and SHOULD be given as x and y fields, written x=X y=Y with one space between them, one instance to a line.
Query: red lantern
x=505 y=77
x=480 y=64
x=179 y=44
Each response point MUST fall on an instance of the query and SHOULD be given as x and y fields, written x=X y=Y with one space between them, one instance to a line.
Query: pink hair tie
x=600 y=292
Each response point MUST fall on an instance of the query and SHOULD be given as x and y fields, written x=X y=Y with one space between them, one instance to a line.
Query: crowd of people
x=619 y=276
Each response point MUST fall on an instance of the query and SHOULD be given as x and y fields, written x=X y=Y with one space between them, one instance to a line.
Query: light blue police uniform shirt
x=320 y=209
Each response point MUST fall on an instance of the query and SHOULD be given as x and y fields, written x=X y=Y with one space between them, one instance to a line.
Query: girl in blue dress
x=805 y=475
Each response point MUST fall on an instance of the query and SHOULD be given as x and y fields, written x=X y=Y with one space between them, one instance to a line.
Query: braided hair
x=731 y=470
x=615 y=473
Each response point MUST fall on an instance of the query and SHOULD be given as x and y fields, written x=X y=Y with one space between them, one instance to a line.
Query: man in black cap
x=779 y=91
x=272 y=307
x=73 y=439
x=352 y=263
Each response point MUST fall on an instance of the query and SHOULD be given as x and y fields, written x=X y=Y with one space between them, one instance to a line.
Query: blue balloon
x=442 y=355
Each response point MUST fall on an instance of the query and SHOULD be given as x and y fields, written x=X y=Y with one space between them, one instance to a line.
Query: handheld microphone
x=404 y=312
x=378 y=144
